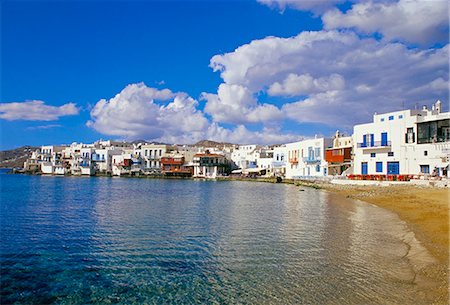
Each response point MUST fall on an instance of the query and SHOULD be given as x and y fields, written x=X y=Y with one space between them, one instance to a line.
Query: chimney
x=438 y=106
x=424 y=108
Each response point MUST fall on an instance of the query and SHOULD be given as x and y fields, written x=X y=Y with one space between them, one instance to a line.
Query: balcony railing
x=293 y=160
x=376 y=144
x=310 y=160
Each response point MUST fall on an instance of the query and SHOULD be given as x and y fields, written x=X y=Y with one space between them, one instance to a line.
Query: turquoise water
x=81 y=240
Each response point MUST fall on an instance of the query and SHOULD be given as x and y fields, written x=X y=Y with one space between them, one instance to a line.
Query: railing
x=310 y=160
x=376 y=144
x=97 y=158
x=278 y=163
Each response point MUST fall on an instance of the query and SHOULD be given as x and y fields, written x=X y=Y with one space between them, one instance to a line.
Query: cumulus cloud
x=35 y=111
x=339 y=77
x=316 y=6
x=140 y=111
x=295 y=84
x=415 y=21
x=236 y=104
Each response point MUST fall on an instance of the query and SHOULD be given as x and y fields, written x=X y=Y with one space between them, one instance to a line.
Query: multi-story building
x=49 y=158
x=244 y=156
x=339 y=156
x=407 y=142
x=174 y=165
x=209 y=165
x=307 y=158
x=279 y=161
x=152 y=154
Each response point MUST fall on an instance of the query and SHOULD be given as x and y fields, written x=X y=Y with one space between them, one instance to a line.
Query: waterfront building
x=49 y=158
x=209 y=165
x=102 y=159
x=244 y=156
x=306 y=159
x=152 y=154
x=174 y=165
x=279 y=161
x=339 y=156
x=406 y=142
x=121 y=164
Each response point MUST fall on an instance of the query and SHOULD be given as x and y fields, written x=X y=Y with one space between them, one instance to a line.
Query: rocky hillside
x=208 y=143
x=15 y=157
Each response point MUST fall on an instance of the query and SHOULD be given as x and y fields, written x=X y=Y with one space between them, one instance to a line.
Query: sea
x=103 y=240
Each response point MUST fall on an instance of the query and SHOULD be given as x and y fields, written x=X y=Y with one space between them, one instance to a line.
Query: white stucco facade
x=407 y=142
x=307 y=158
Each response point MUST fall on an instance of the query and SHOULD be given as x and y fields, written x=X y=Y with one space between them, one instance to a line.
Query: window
x=160 y=152
x=373 y=155
x=317 y=168
x=317 y=151
x=400 y=116
x=390 y=154
x=425 y=152
x=379 y=167
x=382 y=119
x=432 y=132
x=410 y=136
x=425 y=169
x=391 y=117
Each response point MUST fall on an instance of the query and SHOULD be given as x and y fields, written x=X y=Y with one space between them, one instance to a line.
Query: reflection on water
x=93 y=240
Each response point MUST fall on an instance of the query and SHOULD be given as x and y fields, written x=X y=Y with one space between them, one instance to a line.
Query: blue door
x=384 y=140
x=364 y=143
x=364 y=170
x=372 y=140
x=393 y=168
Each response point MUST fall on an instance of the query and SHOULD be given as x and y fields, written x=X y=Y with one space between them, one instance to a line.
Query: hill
x=15 y=157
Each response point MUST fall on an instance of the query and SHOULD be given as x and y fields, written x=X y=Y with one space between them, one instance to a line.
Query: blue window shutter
x=384 y=139
x=372 y=141
x=364 y=143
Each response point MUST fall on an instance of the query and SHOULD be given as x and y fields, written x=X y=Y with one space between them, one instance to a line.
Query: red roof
x=208 y=155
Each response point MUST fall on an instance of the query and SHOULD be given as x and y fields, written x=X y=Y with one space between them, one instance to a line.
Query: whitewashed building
x=151 y=156
x=407 y=142
x=244 y=156
x=306 y=158
x=208 y=165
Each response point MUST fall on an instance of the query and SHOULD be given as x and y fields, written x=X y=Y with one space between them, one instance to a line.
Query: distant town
x=401 y=145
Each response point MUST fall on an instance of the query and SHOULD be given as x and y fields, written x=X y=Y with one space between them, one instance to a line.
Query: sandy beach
x=426 y=212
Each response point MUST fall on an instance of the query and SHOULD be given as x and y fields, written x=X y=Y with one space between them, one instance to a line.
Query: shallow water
x=77 y=240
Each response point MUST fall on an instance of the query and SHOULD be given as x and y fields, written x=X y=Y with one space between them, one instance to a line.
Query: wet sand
x=426 y=212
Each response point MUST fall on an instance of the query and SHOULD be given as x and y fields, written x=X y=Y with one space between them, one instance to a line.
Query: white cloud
x=342 y=78
x=415 y=21
x=137 y=113
x=236 y=104
x=140 y=111
x=50 y=126
x=35 y=111
x=295 y=84
x=316 y=6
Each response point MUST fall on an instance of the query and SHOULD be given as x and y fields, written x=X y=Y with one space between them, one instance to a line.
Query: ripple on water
x=134 y=241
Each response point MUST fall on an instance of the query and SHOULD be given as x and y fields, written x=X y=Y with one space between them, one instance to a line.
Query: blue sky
x=239 y=71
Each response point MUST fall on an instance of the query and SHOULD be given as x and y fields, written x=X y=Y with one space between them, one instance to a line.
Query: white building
x=49 y=158
x=407 y=142
x=152 y=154
x=209 y=165
x=279 y=160
x=307 y=158
x=244 y=156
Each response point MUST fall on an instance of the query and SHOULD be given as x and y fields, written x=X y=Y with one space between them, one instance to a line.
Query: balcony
x=97 y=158
x=278 y=164
x=375 y=145
x=172 y=161
x=311 y=160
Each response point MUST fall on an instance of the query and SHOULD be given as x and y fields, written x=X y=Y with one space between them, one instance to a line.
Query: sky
x=265 y=71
